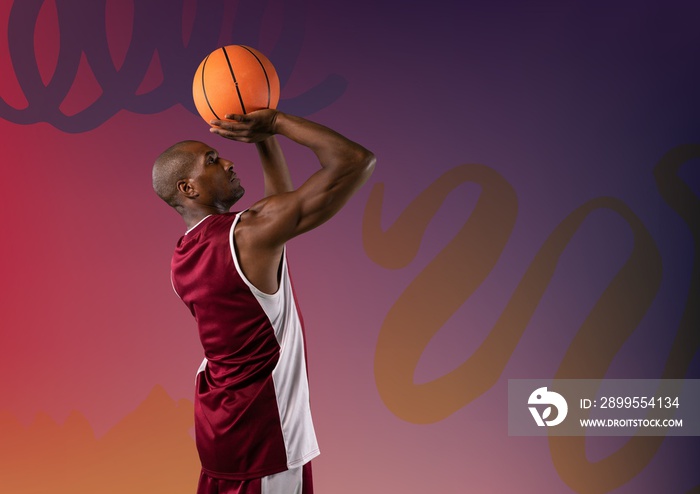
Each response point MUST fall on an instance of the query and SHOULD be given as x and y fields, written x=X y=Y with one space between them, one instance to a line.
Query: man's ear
x=186 y=188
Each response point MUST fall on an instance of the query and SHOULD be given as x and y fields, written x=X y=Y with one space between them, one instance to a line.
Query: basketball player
x=253 y=425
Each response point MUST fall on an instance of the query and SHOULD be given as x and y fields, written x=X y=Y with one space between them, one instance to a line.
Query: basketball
x=234 y=79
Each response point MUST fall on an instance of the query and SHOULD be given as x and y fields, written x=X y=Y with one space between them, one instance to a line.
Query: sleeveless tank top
x=252 y=414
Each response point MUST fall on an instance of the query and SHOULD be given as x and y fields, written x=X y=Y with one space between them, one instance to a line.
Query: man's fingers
x=243 y=128
x=232 y=126
x=240 y=135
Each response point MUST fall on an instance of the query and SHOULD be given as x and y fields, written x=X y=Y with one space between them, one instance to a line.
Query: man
x=253 y=425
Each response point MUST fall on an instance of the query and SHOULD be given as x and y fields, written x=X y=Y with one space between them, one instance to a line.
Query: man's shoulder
x=268 y=209
x=258 y=225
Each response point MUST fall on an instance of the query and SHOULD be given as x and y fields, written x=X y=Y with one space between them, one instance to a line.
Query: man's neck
x=193 y=216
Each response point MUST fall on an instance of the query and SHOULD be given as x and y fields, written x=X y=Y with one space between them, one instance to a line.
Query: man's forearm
x=275 y=171
x=334 y=151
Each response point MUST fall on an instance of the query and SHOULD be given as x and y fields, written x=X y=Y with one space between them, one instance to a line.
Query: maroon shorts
x=295 y=481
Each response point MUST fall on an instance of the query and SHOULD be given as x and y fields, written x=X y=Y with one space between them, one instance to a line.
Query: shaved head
x=173 y=165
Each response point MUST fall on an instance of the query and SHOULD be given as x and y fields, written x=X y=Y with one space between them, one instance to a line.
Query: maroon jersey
x=252 y=415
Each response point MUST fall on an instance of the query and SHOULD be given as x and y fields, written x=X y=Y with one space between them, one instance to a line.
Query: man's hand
x=254 y=127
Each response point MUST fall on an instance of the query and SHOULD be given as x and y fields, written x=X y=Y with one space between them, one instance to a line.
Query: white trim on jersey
x=202 y=368
x=198 y=223
x=287 y=482
x=289 y=375
x=172 y=284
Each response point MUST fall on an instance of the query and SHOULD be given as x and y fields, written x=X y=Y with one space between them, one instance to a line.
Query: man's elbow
x=366 y=162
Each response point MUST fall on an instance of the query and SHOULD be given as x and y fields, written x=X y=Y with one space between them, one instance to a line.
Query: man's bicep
x=319 y=199
x=284 y=216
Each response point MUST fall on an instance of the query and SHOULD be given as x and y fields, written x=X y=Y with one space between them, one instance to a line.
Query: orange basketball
x=234 y=79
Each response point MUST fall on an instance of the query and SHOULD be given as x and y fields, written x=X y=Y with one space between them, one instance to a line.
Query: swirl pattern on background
x=157 y=30
x=455 y=273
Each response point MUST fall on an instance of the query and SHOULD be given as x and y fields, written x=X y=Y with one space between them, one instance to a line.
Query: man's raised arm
x=345 y=166
x=275 y=172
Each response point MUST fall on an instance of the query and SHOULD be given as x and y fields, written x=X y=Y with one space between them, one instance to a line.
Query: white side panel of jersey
x=289 y=376
x=290 y=482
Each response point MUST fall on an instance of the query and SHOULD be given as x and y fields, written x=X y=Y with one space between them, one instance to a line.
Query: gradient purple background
x=567 y=100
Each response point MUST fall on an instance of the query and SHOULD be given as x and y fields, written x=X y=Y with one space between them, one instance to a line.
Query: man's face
x=213 y=178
